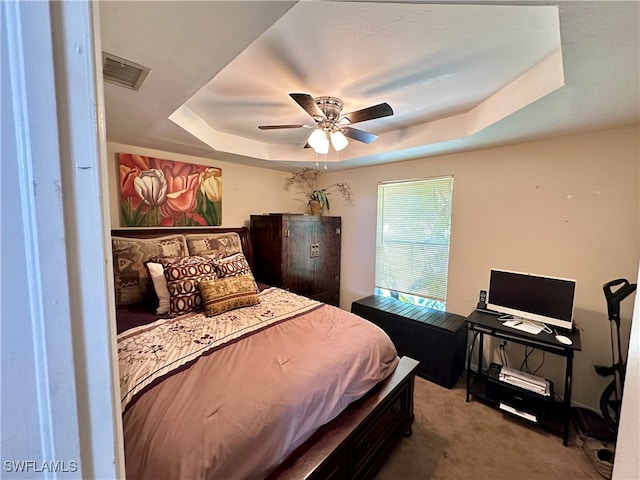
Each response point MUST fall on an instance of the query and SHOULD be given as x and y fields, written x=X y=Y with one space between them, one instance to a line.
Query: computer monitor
x=532 y=297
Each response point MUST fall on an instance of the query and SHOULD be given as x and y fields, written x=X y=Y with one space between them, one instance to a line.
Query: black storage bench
x=436 y=339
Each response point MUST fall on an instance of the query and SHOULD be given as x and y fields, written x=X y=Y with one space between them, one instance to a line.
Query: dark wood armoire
x=300 y=253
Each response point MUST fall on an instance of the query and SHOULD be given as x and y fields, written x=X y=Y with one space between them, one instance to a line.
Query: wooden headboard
x=243 y=233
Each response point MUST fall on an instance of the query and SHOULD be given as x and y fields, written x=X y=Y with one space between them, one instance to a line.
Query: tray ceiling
x=455 y=74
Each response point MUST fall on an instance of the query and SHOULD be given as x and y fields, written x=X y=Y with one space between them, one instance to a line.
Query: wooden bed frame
x=355 y=444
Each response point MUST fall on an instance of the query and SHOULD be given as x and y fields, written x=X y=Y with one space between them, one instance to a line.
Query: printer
x=519 y=392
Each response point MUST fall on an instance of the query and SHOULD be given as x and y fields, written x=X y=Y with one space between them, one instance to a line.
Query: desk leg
x=469 y=355
x=480 y=353
x=566 y=404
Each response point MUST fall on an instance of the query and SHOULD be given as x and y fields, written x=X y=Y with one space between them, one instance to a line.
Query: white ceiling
x=458 y=76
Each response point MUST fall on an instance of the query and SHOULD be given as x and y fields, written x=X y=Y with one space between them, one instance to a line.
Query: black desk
x=479 y=324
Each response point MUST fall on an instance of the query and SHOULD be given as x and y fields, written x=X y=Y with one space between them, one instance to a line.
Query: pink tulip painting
x=156 y=192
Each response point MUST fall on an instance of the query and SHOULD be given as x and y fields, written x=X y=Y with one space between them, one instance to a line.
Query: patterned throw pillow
x=183 y=276
x=232 y=266
x=132 y=282
x=228 y=293
x=219 y=244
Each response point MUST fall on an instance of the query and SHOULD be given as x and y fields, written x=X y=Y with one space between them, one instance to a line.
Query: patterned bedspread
x=150 y=352
x=272 y=374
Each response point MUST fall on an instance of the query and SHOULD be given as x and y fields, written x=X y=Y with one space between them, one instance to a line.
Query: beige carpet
x=453 y=439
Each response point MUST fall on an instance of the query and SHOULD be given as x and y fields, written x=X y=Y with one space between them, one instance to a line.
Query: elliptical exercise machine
x=611 y=398
x=598 y=447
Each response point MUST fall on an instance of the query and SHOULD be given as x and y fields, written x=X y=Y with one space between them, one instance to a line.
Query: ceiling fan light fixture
x=338 y=140
x=319 y=141
x=331 y=126
x=323 y=148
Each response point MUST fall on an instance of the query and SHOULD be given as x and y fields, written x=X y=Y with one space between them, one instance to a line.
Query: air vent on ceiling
x=125 y=73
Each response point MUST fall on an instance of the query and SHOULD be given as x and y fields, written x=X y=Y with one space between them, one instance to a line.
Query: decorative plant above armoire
x=307 y=178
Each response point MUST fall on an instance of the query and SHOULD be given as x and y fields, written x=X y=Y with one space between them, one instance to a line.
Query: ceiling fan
x=331 y=124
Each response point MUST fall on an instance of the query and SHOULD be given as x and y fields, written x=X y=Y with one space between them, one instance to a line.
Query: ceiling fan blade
x=369 y=113
x=276 y=127
x=360 y=135
x=307 y=102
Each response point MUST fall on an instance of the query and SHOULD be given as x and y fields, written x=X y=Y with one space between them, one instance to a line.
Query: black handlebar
x=615 y=297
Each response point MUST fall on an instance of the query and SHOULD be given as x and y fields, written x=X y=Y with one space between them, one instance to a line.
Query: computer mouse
x=563 y=339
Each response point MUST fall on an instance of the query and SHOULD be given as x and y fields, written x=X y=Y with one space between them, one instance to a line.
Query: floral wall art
x=156 y=192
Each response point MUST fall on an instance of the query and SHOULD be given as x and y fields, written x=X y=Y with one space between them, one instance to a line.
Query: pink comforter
x=239 y=411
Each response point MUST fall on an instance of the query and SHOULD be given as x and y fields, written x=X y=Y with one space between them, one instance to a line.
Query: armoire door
x=298 y=264
x=327 y=265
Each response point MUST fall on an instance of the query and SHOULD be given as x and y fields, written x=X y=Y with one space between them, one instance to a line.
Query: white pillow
x=160 y=285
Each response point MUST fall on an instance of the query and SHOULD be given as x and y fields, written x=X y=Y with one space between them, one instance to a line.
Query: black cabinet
x=300 y=253
x=436 y=339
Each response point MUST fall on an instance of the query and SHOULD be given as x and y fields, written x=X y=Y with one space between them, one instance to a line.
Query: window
x=412 y=247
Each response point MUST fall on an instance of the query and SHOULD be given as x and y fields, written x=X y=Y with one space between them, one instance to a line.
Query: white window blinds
x=412 y=248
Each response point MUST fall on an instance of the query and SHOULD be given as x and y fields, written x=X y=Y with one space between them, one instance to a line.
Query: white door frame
x=59 y=392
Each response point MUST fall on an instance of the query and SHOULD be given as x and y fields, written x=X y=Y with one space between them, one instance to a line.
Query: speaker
x=482 y=300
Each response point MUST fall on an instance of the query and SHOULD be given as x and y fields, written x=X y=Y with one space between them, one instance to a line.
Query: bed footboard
x=357 y=442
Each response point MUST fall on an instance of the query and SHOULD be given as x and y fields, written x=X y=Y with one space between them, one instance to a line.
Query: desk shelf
x=480 y=324
x=551 y=421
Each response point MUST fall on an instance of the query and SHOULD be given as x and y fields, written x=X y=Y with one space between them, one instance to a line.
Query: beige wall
x=245 y=190
x=566 y=207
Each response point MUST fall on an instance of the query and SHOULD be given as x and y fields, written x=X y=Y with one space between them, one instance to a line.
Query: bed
x=262 y=384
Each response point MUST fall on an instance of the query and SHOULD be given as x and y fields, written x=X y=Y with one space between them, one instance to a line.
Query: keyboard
x=486 y=310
